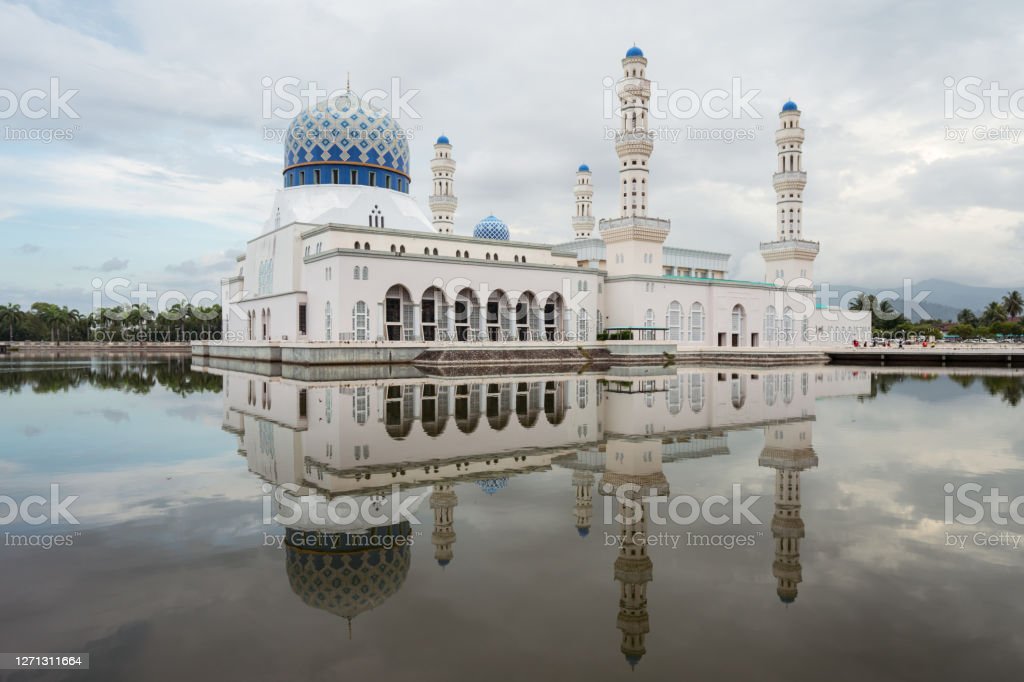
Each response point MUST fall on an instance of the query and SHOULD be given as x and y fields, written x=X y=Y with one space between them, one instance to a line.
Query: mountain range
x=945 y=300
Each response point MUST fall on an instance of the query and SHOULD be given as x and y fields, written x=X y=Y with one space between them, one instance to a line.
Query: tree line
x=138 y=322
x=998 y=318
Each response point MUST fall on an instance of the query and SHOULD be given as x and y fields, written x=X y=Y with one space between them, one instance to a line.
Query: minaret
x=633 y=570
x=633 y=240
x=583 y=221
x=583 y=482
x=443 y=201
x=790 y=256
x=443 y=501
x=788 y=450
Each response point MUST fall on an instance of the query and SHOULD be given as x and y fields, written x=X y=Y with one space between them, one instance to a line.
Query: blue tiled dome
x=583 y=531
x=491 y=228
x=634 y=52
x=344 y=131
x=584 y=168
x=789 y=106
x=493 y=485
x=443 y=140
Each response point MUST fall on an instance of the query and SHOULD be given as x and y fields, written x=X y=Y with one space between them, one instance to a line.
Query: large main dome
x=342 y=140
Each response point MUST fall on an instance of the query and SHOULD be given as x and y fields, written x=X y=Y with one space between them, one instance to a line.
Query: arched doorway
x=398 y=314
x=739 y=324
x=554 y=310
x=499 y=316
x=434 y=315
x=467 y=314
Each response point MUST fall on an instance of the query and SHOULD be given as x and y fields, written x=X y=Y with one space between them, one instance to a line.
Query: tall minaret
x=790 y=256
x=443 y=201
x=633 y=241
x=788 y=450
x=583 y=221
x=633 y=143
x=443 y=501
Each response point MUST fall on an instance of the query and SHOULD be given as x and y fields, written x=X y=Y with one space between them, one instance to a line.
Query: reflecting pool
x=260 y=523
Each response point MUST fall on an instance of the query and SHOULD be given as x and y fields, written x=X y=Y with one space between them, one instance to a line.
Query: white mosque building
x=348 y=257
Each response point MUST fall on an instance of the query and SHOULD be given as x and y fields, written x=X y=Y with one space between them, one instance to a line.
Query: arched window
x=360 y=321
x=649 y=317
x=327 y=321
x=458 y=253
x=366 y=246
x=674 y=321
x=787 y=325
x=583 y=325
x=770 y=334
x=426 y=250
x=394 y=249
x=401 y=249
x=355 y=273
x=697 y=323
x=357 y=245
x=466 y=255
x=366 y=272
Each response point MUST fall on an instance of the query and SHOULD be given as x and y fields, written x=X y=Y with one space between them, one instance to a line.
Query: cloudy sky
x=171 y=163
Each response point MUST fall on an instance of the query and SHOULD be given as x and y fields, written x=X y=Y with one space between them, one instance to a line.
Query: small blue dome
x=584 y=168
x=584 y=532
x=789 y=106
x=634 y=52
x=491 y=228
x=443 y=140
x=787 y=598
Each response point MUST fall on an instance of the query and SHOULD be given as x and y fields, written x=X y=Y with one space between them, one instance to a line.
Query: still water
x=825 y=553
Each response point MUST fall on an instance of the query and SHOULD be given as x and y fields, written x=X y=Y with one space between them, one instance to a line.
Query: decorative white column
x=442 y=201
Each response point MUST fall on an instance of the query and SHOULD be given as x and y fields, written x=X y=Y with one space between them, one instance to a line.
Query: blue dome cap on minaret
x=491 y=228
x=443 y=140
x=634 y=52
x=789 y=106
x=584 y=168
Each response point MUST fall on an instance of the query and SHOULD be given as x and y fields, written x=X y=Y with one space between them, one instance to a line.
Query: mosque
x=348 y=256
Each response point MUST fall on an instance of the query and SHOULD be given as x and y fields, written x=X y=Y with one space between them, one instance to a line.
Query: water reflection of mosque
x=359 y=438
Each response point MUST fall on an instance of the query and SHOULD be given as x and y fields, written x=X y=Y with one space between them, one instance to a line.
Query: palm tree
x=967 y=316
x=993 y=313
x=10 y=315
x=1013 y=303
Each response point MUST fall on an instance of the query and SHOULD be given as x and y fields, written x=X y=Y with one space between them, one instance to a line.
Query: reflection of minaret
x=443 y=501
x=583 y=481
x=633 y=570
x=633 y=467
x=788 y=450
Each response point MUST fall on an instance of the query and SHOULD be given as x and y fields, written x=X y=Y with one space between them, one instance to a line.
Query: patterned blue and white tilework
x=491 y=228
x=345 y=130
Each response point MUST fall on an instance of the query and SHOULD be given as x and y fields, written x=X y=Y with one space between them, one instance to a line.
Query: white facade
x=362 y=262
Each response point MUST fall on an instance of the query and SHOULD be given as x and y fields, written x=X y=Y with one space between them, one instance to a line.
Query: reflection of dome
x=348 y=573
x=346 y=134
x=583 y=531
x=493 y=485
x=632 y=659
x=634 y=52
x=789 y=106
x=786 y=596
x=443 y=562
x=491 y=228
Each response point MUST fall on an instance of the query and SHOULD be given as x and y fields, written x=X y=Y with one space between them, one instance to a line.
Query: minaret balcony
x=789 y=180
x=437 y=164
x=786 y=247
x=789 y=135
x=633 y=142
x=442 y=201
x=582 y=220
